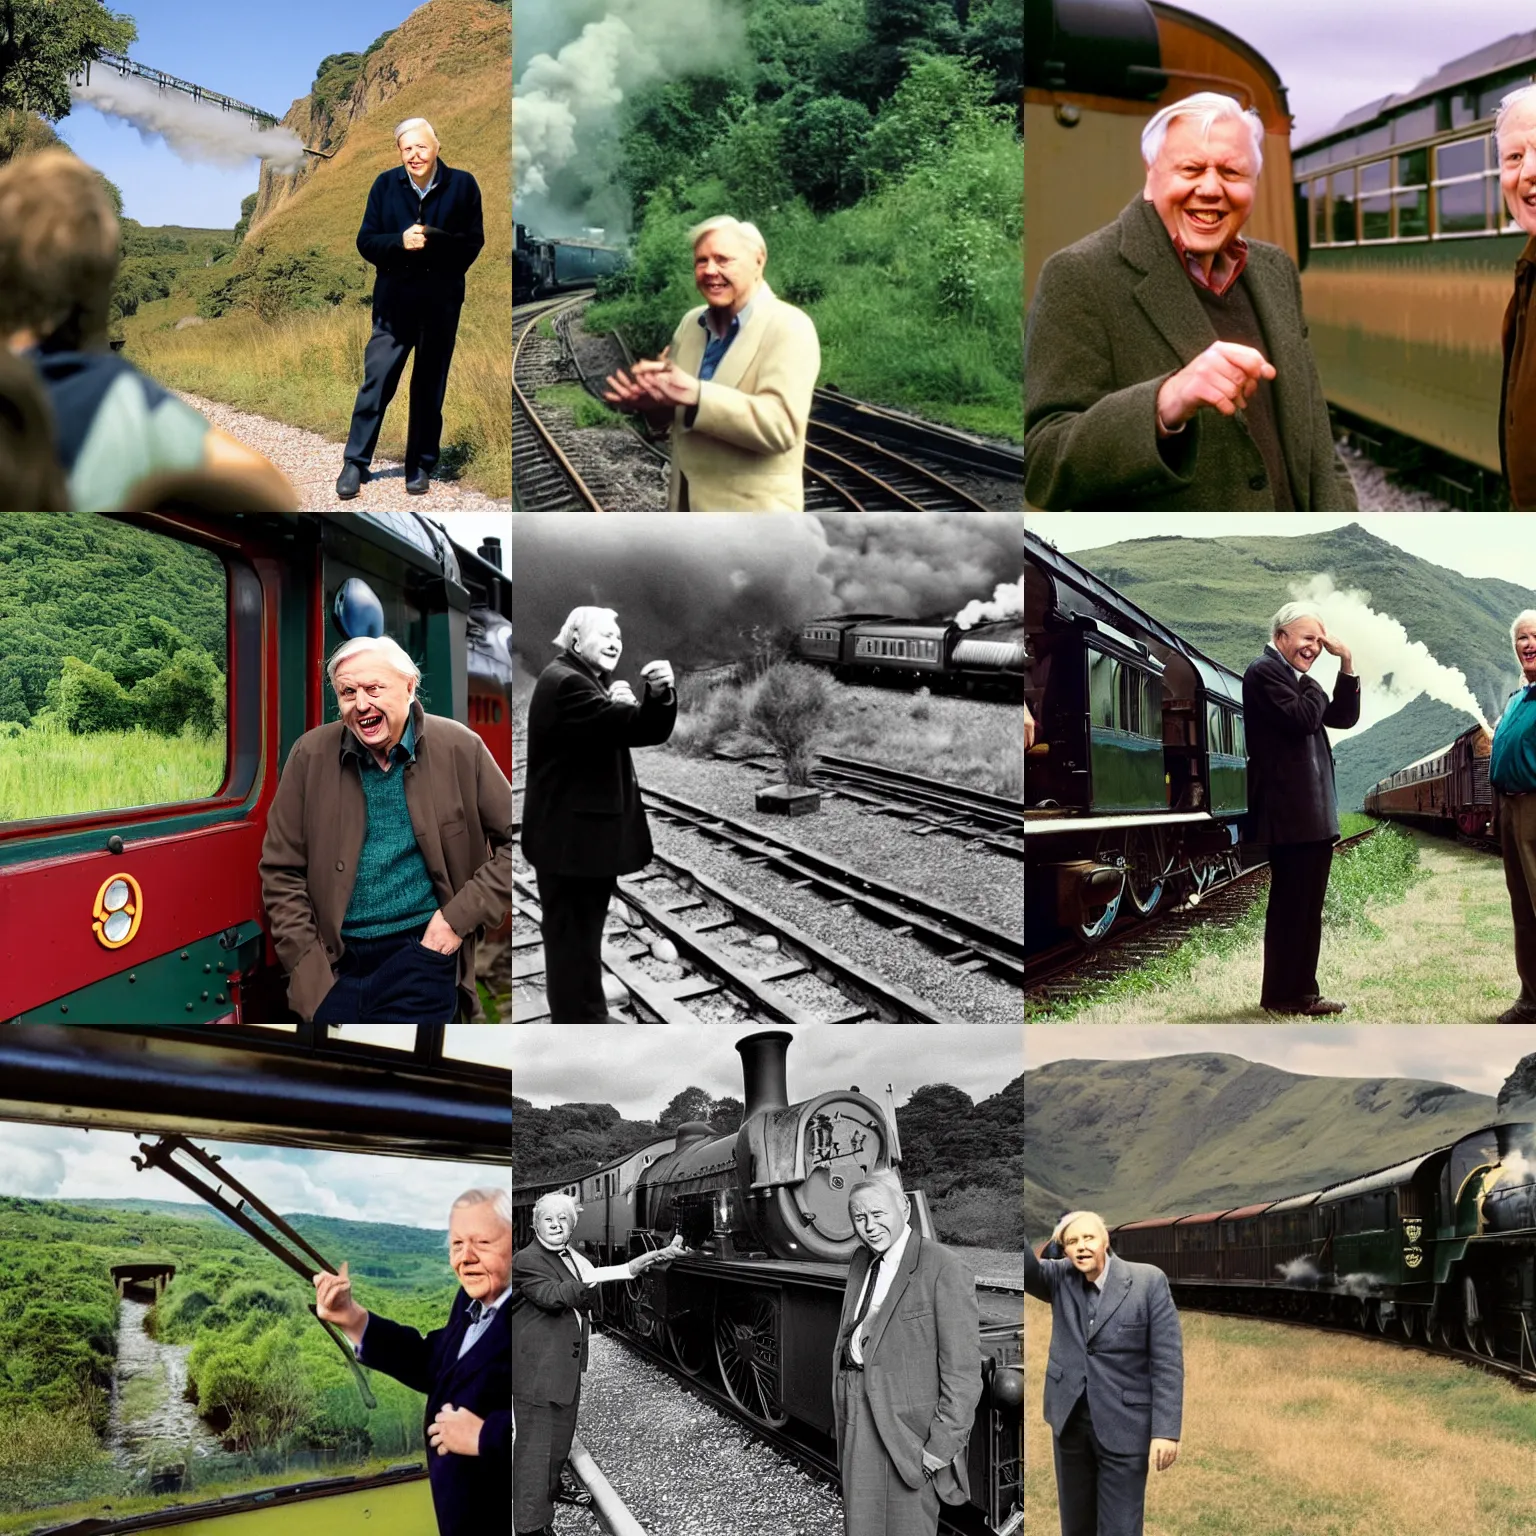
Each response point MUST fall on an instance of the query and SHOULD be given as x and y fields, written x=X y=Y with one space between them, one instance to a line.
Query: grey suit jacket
x=922 y=1369
x=1113 y=316
x=1131 y=1363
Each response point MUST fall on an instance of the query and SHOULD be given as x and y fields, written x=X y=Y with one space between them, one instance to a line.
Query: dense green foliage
x=42 y=42
x=338 y=73
x=280 y=283
x=874 y=143
x=261 y=1371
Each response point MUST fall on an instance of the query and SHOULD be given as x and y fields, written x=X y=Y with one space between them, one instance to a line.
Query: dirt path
x=1445 y=955
x=312 y=462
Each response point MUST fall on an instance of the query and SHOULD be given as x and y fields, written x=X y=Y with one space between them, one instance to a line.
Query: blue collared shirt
x=716 y=346
x=421 y=192
x=1512 y=765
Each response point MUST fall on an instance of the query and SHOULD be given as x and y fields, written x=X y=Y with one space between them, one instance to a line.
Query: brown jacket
x=461 y=809
x=1517 y=397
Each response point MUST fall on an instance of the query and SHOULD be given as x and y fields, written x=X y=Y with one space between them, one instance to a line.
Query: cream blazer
x=745 y=451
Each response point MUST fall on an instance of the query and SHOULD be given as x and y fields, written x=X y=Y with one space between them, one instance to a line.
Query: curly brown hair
x=58 y=250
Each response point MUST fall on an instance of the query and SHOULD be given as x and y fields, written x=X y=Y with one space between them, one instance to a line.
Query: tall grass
x=48 y=772
x=47 y=1455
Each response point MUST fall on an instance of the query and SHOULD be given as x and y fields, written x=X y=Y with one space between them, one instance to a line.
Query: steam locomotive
x=1139 y=771
x=1441 y=1247
x=1447 y=791
x=986 y=660
x=752 y=1313
x=295 y=587
x=541 y=267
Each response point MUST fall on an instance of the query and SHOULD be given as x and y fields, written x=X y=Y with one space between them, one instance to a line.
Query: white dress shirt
x=890 y=1261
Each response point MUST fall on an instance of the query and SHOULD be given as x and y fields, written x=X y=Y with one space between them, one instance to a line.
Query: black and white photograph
x=767 y=1282
x=768 y=770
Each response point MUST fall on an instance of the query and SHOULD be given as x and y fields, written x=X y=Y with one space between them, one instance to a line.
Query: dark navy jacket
x=472 y=1494
x=454 y=225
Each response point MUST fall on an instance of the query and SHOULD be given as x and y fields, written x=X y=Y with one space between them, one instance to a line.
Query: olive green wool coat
x=1114 y=315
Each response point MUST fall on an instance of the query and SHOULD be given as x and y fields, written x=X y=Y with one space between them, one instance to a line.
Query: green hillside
x=1134 y=1139
x=1220 y=594
x=1361 y=761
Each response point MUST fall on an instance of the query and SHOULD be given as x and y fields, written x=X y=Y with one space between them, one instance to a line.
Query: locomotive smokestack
x=490 y=550
x=762 y=1068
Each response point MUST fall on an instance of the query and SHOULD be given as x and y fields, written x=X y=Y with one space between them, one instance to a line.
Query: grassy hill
x=284 y=322
x=1360 y=761
x=1220 y=593
x=1199 y=1132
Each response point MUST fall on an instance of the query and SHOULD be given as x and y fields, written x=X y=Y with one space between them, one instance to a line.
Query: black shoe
x=416 y=485
x=1521 y=1013
x=571 y=1492
x=349 y=482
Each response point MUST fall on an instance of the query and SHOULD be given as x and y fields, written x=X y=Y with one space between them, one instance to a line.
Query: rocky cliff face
x=1518 y=1095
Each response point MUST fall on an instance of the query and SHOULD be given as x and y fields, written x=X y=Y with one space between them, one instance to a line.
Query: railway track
x=1064 y=970
x=963 y=942
x=930 y=805
x=861 y=458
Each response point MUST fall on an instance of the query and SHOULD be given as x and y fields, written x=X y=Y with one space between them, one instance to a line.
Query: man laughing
x=1166 y=365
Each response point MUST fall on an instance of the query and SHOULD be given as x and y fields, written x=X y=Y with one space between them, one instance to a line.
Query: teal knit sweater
x=393 y=891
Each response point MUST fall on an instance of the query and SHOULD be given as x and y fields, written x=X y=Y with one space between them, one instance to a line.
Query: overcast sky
x=639 y=1071
x=1334 y=57
x=1477 y=1057
x=60 y=1163
x=1474 y=543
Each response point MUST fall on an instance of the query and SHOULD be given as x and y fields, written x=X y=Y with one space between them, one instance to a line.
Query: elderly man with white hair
x=734 y=387
x=583 y=824
x=1114 y=1383
x=1292 y=803
x=553 y=1284
x=422 y=229
x=464 y=1367
x=388 y=850
x=1514 y=129
x=1512 y=773
x=1166 y=363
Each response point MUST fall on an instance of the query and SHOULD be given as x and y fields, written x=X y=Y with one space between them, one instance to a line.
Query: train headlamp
x=119 y=907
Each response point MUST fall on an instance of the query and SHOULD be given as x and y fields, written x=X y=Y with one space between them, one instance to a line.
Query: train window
x=1130 y=701
x=1102 y=672
x=1239 y=739
x=1376 y=201
x=1320 y=211
x=1411 y=199
x=1462 y=207
x=1463 y=108
x=1373 y=1214
x=1491 y=95
x=1420 y=122
x=1341 y=188
x=113 y=667
x=1466 y=157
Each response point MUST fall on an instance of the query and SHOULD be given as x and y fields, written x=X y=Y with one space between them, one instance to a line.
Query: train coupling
x=1084 y=888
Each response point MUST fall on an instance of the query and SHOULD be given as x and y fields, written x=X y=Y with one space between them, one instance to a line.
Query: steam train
x=541 y=267
x=985 y=660
x=752 y=1313
x=1441 y=1247
x=1447 y=791
x=1139 y=772
x=198 y=949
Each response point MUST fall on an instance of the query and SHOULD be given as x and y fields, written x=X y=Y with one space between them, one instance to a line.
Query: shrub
x=189 y=691
x=789 y=707
x=93 y=700
x=703 y=723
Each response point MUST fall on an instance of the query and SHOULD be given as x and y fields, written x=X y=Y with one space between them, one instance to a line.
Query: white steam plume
x=198 y=131
x=1007 y=603
x=1393 y=670
x=1302 y=1271
x=566 y=97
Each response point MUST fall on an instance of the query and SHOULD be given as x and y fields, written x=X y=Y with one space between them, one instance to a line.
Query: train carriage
x=541 y=267
x=292 y=588
x=986 y=660
x=1447 y=790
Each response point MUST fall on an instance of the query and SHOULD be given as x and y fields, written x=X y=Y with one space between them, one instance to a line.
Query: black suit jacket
x=455 y=233
x=1291 y=795
x=469 y=1492
x=549 y=1334
x=582 y=813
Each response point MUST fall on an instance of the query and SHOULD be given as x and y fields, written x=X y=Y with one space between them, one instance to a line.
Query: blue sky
x=263 y=54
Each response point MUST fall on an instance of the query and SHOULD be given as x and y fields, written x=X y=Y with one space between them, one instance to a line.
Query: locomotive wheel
x=1383 y=1318
x=1145 y=869
x=747 y=1353
x=1409 y=1317
x=688 y=1339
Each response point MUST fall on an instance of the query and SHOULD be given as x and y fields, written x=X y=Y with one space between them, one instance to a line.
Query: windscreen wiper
x=162 y=1155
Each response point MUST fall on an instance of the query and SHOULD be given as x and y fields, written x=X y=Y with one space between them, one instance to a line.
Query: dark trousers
x=574 y=908
x=403 y=321
x=397 y=980
x=544 y=1435
x=1293 y=922
x=1100 y=1492
x=1517 y=839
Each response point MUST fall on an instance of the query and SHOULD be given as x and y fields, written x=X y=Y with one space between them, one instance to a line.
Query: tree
x=93 y=700
x=726 y=1115
x=690 y=1104
x=189 y=690
x=790 y=704
x=247 y=208
x=13 y=702
x=823 y=153
x=43 y=42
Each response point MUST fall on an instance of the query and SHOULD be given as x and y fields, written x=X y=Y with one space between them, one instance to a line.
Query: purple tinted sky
x=1333 y=57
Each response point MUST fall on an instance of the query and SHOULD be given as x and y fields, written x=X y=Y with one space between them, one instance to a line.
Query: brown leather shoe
x=1319 y=1006
x=1521 y=1013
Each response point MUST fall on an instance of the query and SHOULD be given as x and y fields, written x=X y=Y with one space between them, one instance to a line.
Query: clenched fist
x=1224 y=376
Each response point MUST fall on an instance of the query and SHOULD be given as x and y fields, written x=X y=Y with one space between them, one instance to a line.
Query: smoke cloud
x=1361 y=1286
x=198 y=131
x=1393 y=669
x=566 y=103
x=921 y=566
x=1300 y=1271
x=1007 y=603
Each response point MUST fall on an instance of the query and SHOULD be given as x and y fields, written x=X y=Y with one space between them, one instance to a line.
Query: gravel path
x=684 y=1468
x=313 y=462
x=1377 y=491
